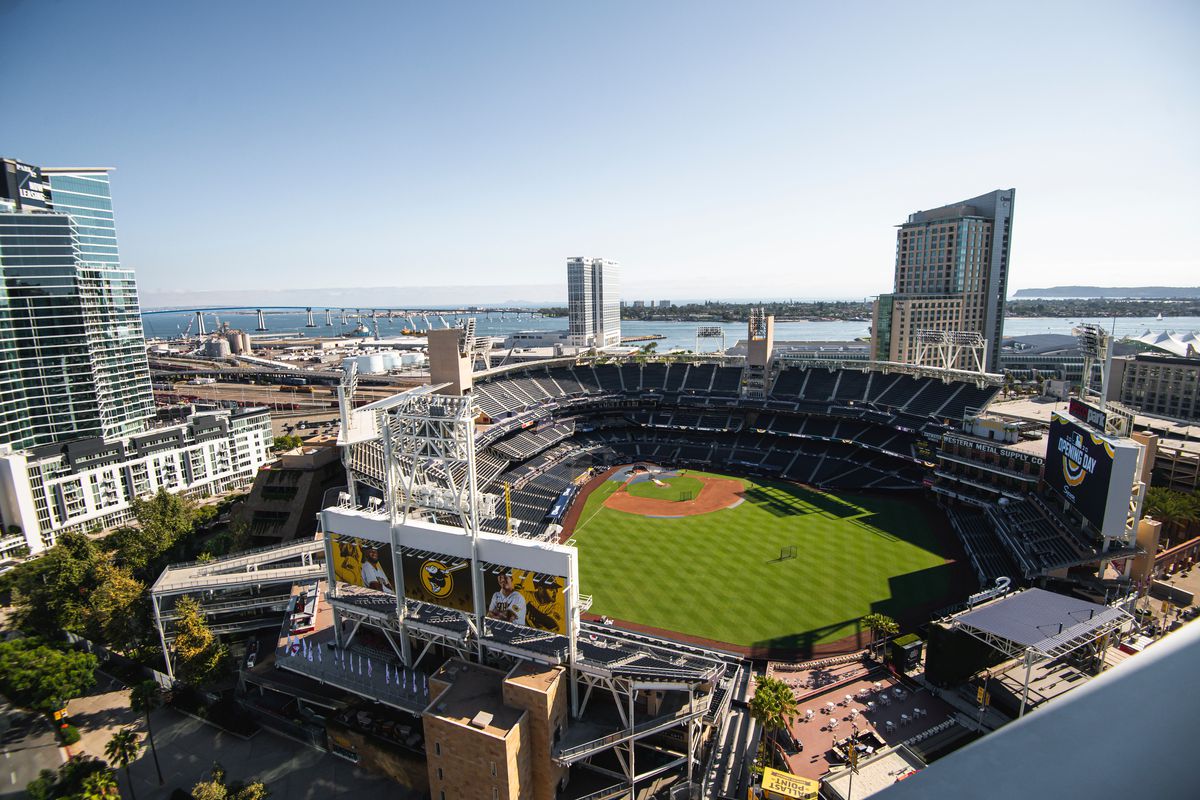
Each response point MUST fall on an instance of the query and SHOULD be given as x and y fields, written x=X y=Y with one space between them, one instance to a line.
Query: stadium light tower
x=942 y=349
x=710 y=332
x=1096 y=346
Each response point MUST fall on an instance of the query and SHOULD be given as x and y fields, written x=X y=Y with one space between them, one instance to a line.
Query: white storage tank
x=371 y=365
x=216 y=348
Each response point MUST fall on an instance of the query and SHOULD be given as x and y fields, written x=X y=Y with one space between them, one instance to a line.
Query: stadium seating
x=675 y=377
x=609 y=377
x=653 y=377
x=699 y=378
x=528 y=443
x=836 y=428
x=726 y=380
x=1036 y=539
x=852 y=385
x=788 y=384
x=984 y=549
x=820 y=385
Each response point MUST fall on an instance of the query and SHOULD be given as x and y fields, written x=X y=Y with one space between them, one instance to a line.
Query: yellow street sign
x=788 y=786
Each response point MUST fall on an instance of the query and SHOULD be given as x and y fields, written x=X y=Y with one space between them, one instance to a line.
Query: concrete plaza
x=187 y=748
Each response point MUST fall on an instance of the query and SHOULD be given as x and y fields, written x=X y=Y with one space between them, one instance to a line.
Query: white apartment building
x=91 y=483
x=593 y=302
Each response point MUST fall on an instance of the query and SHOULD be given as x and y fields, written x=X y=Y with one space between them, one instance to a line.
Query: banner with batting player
x=524 y=597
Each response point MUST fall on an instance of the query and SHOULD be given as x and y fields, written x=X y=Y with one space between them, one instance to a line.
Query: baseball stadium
x=766 y=524
x=558 y=575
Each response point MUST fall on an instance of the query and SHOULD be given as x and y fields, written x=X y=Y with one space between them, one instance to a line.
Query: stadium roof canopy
x=1039 y=623
x=1178 y=344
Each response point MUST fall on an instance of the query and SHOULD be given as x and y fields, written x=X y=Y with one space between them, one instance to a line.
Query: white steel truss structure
x=430 y=444
x=942 y=349
x=1086 y=629
x=710 y=332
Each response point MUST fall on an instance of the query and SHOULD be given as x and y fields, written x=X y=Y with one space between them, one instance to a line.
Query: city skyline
x=483 y=145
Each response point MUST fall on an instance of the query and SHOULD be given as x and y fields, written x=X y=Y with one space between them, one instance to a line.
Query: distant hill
x=1110 y=292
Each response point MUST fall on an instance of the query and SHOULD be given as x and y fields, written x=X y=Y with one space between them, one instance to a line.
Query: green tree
x=144 y=698
x=99 y=785
x=217 y=789
x=1179 y=512
x=121 y=751
x=51 y=594
x=42 y=677
x=42 y=787
x=115 y=614
x=199 y=654
x=163 y=521
x=881 y=626
x=773 y=706
x=68 y=781
x=288 y=442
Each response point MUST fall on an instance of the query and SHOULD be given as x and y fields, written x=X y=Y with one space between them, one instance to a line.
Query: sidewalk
x=101 y=713
x=187 y=748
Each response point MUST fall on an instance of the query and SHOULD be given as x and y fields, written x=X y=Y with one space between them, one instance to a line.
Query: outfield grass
x=719 y=576
x=676 y=489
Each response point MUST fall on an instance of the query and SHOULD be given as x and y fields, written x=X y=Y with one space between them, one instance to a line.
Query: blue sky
x=738 y=149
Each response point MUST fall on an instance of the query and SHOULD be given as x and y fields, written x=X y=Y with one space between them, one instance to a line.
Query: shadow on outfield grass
x=915 y=594
x=805 y=644
x=919 y=523
x=776 y=502
x=790 y=500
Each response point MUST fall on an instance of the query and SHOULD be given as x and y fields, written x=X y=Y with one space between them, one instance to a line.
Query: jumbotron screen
x=1093 y=472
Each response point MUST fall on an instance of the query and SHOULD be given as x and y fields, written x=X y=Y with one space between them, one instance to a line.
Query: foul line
x=583 y=524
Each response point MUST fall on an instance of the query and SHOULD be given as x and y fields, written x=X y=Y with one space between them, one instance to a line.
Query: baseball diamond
x=710 y=567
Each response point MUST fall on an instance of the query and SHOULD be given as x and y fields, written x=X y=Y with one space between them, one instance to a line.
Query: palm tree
x=773 y=705
x=144 y=698
x=879 y=624
x=121 y=750
x=1179 y=512
x=99 y=786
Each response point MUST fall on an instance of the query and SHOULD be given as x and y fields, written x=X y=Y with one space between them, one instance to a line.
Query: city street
x=188 y=747
x=29 y=746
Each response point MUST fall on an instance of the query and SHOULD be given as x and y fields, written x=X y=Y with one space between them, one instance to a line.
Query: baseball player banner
x=525 y=598
x=364 y=563
x=438 y=579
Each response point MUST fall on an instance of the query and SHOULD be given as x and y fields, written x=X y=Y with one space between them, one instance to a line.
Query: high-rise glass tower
x=951 y=275
x=593 y=302
x=72 y=351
